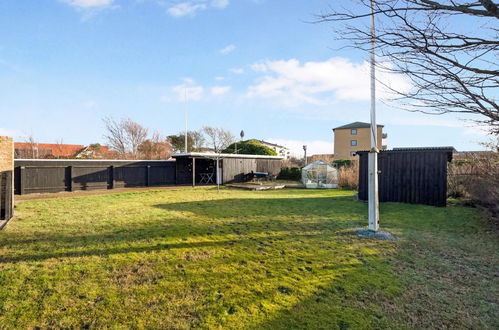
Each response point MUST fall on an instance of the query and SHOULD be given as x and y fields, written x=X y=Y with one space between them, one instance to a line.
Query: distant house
x=281 y=150
x=30 y=150
x=355 y=137
x=96 y=151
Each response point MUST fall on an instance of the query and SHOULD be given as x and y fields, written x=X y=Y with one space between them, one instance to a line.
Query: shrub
x=250 y=147
x=290 y=173
x=475 y=178
x=348 y=175
x=342 y=162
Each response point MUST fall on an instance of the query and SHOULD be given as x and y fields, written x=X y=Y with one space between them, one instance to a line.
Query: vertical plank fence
x=42 y=176
x=409 y=175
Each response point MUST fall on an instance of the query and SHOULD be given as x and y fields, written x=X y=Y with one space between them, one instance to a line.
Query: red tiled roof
x=64 y=150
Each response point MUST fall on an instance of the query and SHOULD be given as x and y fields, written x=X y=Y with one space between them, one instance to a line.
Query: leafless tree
x=448 y=49
x=59 y=146
x=157 y=147
x=198 y=140
x=115 y=136
x=31 y=151
x=218 y=138
x=125 y=136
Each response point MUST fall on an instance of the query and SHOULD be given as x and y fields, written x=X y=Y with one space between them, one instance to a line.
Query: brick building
x=28 y=150
x=6 y=179
x=355 y=137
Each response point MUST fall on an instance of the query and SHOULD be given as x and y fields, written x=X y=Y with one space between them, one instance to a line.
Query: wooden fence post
x=9 y=203
x=148 y=175
x=22 y=179
x=71 y=184
x=111 y=170
x=193 y=171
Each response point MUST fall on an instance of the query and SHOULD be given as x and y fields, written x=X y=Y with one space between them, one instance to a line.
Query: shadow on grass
x=270 y=207
x=214 y=222
x=260 y=240
x=106 y=251
x=357 y=299
x=258 y=252
x=205 y=217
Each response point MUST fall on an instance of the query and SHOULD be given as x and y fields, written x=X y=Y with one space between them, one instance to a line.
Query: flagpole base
x=379 y=235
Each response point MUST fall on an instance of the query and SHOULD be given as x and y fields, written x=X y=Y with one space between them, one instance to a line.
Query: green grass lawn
x=183 y=258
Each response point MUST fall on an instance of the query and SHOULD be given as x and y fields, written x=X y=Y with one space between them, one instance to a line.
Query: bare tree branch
x=125 y=137
x=423 y=40
x=218 y=138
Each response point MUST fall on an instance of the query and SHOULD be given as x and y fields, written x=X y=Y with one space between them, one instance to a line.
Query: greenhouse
x=319 y=174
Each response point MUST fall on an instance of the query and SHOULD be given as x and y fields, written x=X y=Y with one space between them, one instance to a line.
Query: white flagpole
x=373 y=200
x=185 y=118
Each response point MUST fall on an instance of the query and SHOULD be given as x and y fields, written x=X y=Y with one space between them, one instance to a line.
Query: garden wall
x=6 y=179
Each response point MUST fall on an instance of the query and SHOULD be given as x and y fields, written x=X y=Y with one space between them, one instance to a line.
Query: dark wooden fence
x=40 y=176
x=6 y=203
x=236 y=169
x=410 y=175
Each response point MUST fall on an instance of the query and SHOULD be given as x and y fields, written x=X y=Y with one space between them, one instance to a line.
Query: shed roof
x=357 y=124
x=317 y=163
x=220 y=155
x=445 y=149
x=449 y=150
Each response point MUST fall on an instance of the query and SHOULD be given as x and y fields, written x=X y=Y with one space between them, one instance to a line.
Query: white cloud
x=296 y=146
x=194 y=92
x=185 y=8
x=220 y=90
x=219 y=78
x=227 y=49
x=479 y=131
x=89 y=3
x=405 y=118
x=220 y=3
x=191 y=7
x=237 y=70
x=318 y=83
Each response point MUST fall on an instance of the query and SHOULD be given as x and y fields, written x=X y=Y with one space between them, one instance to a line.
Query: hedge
x=290 y=173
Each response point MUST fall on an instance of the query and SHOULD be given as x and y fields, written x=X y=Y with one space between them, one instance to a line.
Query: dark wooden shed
x=201 y=168
x=409 y=175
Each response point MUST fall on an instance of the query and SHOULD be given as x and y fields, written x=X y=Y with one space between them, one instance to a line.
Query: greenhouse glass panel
x=319 y=174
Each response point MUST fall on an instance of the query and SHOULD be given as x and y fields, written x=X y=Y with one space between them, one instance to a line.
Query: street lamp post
x=241 y=140
x=185 y=118
x=305 y=151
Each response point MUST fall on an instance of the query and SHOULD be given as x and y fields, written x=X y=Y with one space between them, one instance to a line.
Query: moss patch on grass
x=242 y=259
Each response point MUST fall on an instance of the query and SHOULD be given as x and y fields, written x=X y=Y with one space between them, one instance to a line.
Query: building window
x=352 y=153
x=353 y=143
x=353 y=131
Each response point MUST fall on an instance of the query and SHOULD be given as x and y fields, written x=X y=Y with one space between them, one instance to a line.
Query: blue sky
x=255 y=65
